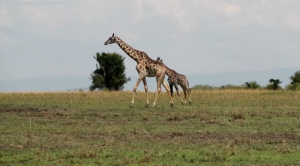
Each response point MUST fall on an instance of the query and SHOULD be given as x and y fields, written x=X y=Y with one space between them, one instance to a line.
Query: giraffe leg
x=168 y=91
x=176 y=87
x=189 y=93
x=158 y=82
x=146 y=90
x=135 y=87
x=184 y=91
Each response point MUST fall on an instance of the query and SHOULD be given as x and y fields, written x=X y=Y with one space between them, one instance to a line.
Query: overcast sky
x=60 y=37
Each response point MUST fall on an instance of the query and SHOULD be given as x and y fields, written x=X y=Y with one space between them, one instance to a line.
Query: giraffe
x=175 y=79
x=146 y=67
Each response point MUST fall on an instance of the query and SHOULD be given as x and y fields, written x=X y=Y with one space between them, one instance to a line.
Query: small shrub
x=231 y=87
x=203 y=87
x=295 y=86
x=271 y=87
x=254 y=84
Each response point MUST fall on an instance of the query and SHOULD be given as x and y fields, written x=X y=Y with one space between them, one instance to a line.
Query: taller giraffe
x=146 y=67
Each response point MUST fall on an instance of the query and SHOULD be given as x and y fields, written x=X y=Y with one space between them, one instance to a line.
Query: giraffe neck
x=169 y=72
x=131 y=52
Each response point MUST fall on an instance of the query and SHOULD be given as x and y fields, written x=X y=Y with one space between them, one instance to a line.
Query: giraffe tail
x=171 y=89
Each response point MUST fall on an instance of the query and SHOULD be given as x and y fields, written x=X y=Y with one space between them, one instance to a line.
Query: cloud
x=66 y=17
x=186 y=16
x=130 y=36
x=6 y=40
x=27 y=0
x=60 y=13
x=135 y=10
x=293 y=21
x=46 y=16
x=6 y=20
x=189 y=15
x=168 y=8
x=217 y=35
x=33 y=1
x=232 y=10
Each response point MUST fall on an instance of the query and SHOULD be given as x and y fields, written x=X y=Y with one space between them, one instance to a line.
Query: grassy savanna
x=221 y=127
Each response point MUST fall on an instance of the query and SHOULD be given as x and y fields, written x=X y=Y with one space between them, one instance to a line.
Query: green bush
x=271 y=87
x=295 y=78
x=295 y=86
x=251 y=85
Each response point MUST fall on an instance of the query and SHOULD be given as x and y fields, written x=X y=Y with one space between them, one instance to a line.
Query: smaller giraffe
x=175 y=79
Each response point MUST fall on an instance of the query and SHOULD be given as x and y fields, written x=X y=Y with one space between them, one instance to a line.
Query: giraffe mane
x=169 y=68
x=138 y=51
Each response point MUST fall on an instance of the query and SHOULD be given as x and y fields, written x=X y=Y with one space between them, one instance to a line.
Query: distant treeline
x=274 y=84
x=229 y=86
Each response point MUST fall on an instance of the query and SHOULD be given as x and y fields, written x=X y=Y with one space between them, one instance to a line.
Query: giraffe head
x=111 y=40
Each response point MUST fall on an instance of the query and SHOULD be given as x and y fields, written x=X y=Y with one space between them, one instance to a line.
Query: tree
x=275 y=83
x=248 y=85
x=295 y=84
x=110 y=73
x=295 y=78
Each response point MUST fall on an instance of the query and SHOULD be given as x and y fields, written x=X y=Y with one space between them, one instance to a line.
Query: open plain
x=221 y=127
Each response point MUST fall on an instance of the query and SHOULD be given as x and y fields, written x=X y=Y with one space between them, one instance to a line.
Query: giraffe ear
x=113 y=35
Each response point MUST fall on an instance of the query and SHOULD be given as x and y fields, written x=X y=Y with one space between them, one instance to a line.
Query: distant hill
x=64 y=83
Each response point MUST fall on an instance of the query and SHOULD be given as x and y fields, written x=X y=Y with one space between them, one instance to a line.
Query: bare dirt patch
x=16 y=110
x=237 y=138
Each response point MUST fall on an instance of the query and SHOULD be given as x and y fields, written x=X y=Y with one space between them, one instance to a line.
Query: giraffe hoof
x=171 y=105
x=182 y=103
x=131 y=106
x=147 y=106
x=190 y=103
